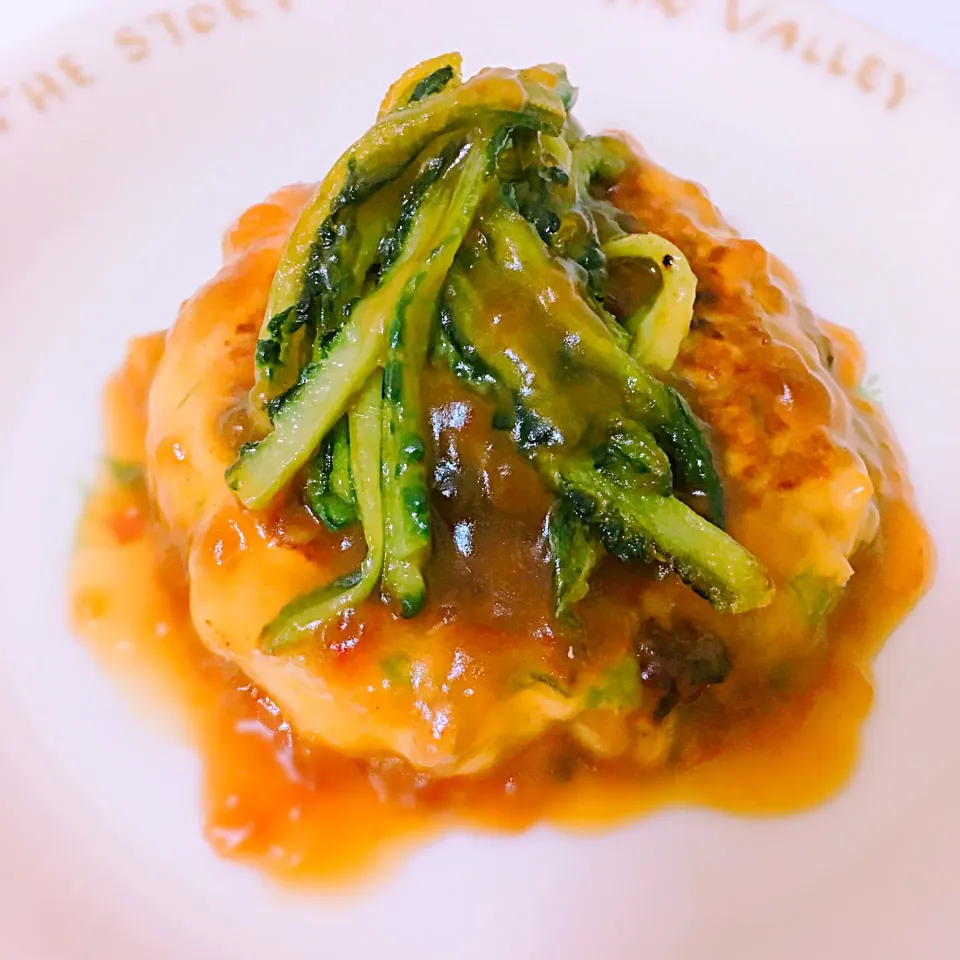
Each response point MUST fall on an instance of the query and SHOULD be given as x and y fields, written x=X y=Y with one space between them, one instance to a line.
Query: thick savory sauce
x=779 y=391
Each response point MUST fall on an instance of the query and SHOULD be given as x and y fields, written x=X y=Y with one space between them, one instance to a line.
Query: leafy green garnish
x=619 y=689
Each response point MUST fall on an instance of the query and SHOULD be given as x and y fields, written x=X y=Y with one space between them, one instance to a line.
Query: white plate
x=119 y=167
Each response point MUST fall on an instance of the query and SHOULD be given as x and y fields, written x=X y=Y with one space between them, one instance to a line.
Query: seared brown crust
x=758 y=367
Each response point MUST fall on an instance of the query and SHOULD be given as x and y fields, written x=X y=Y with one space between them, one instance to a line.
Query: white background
x=931 y=25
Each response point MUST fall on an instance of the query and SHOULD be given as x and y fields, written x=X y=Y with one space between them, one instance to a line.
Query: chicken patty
x=487 y=667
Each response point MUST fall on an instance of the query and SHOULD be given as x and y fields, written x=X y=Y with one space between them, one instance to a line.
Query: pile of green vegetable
x=468 y=228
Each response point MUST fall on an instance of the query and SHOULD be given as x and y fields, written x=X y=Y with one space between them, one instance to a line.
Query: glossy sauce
x=780 y=734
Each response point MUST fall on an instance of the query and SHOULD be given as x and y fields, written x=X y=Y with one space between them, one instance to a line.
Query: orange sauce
x=299 y=809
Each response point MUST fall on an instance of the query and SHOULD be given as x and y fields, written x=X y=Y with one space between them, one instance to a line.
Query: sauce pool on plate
x=780 y=392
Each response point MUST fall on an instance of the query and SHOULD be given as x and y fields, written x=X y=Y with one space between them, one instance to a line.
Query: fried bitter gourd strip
x=646 y=526
x=301 y=617
x=328 y=486
x=391 y=242
x=406 y=506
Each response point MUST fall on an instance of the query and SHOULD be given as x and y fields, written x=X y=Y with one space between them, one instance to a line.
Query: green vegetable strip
x=364 y=236
x=316 y=403
x=632 y=457
x=431 y=166
x=338 y=267
x=432 y=83
x=334 y=277
x=557 y=157
x=341 y=476
x=485 y=340
x=574 y=552
x=557 y=202
x=318 y=493
x=604 y=159
x=490 y=99
x=556 y=355
x=406 y=508
x=447 y=354
x=645 y=526
x=659 y=330
x=422 y=80
x=299 y=620
x=518 y=250
x=597 y=158
x=281 y=350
